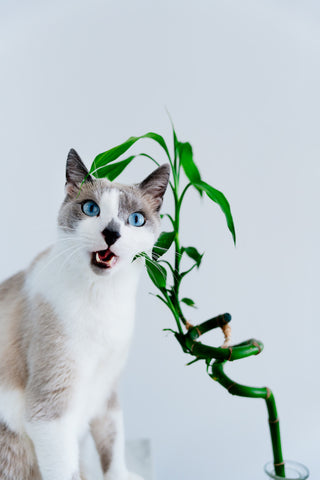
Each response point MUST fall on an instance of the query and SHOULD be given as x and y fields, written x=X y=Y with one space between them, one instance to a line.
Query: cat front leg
x=56 y=447
x=51 y=408
x=108 y=432
x=90 y=464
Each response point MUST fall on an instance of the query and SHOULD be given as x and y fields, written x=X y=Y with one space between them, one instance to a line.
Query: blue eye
x=136 y=219
x=90 y=208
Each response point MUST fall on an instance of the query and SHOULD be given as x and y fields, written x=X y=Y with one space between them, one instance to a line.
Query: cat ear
x=76 y=171
x=155 y=185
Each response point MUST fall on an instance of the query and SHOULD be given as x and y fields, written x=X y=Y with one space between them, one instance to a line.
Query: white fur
x=89 y=458
x=12 y=409
x=96 y=313
x=56 y=447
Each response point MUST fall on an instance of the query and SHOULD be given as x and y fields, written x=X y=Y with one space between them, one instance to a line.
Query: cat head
x=107 y=222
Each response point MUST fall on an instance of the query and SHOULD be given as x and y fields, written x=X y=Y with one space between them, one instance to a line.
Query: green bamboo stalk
x=219 y=321
x=221 y=356
x=234 y=388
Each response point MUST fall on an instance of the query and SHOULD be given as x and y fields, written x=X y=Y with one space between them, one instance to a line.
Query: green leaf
x=157 y=273
x=162 y=244
x=175 y=140
x=193 y=361
x=176 y=144
x=188 y=302
x=160 y=140
x=112 y=171
x=150 y=158
x=114 y=153
x=193 y=253
x=188 y=165
x=183 y=274
x=187 y=162
x=218 y=197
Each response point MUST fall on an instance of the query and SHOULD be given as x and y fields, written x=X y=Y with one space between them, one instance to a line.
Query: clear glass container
x=293 y=470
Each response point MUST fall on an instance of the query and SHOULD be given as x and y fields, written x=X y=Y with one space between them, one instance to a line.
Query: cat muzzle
x=104 y=258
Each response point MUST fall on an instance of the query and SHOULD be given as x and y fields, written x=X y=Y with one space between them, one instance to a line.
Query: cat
x=65 y=329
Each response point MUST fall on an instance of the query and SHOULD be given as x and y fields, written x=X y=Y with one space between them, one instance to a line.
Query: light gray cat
x=65 y=329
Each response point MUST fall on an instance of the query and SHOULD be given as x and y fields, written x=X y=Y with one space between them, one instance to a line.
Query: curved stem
x=208 y=325
x=255 y=392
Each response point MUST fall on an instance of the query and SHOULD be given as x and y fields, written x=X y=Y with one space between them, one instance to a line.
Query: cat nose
x=111 y=236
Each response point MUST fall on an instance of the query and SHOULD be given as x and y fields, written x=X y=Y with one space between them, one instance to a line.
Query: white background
x=241 y=81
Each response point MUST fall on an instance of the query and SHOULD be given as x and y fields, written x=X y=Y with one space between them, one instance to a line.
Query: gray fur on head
x=76 y=171
x=155 y=185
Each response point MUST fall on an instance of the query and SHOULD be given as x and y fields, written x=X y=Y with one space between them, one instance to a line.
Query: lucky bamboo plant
x=167 y=277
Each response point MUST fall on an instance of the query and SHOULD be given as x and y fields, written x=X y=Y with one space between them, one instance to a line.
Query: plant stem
x=190 y=345
x=177 y=253
x=255 y=392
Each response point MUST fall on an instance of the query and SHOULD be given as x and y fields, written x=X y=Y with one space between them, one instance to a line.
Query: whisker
x=68 y=249
x=69 y=257
x=165 y=250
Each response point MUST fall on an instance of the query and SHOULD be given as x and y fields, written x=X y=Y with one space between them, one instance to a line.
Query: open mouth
x=104 y=258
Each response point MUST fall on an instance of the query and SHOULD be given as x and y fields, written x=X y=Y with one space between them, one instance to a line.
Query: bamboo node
x=256 y=344
x=268 y=392
x=278 y=464
x=188 y=325
x=230 y=350
x=274 y=421
x=226 y=329
x=230 y=386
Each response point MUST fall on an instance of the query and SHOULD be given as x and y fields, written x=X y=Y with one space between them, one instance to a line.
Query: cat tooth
x=113 y=261
x=97 y=258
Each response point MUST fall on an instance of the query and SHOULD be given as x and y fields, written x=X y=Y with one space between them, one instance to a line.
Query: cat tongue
x=103 y=254
x=107 y=257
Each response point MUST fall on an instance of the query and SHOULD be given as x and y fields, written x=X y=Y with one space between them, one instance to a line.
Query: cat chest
x=99 y=368
x=99 y=349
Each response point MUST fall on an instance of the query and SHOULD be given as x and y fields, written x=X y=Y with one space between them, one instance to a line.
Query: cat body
x=66 y=324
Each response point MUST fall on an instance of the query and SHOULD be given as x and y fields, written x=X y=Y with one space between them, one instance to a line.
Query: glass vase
x=293 y=471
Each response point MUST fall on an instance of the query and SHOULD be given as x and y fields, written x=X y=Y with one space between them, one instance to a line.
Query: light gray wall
x=241 y=81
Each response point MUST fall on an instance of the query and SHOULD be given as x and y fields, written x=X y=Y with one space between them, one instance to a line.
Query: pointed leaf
x=176 y=144
x=187 y=162
x=160 y=140
x=175 y=140
x=188 y=165
x=110 y=155
x=218 y=197
x=162 y=244
x=188 y=302
x=193 y=253
x=157 y=273
x=112 y=171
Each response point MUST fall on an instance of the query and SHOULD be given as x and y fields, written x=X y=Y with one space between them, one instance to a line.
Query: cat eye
x=136 y=219
x=90 y=208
